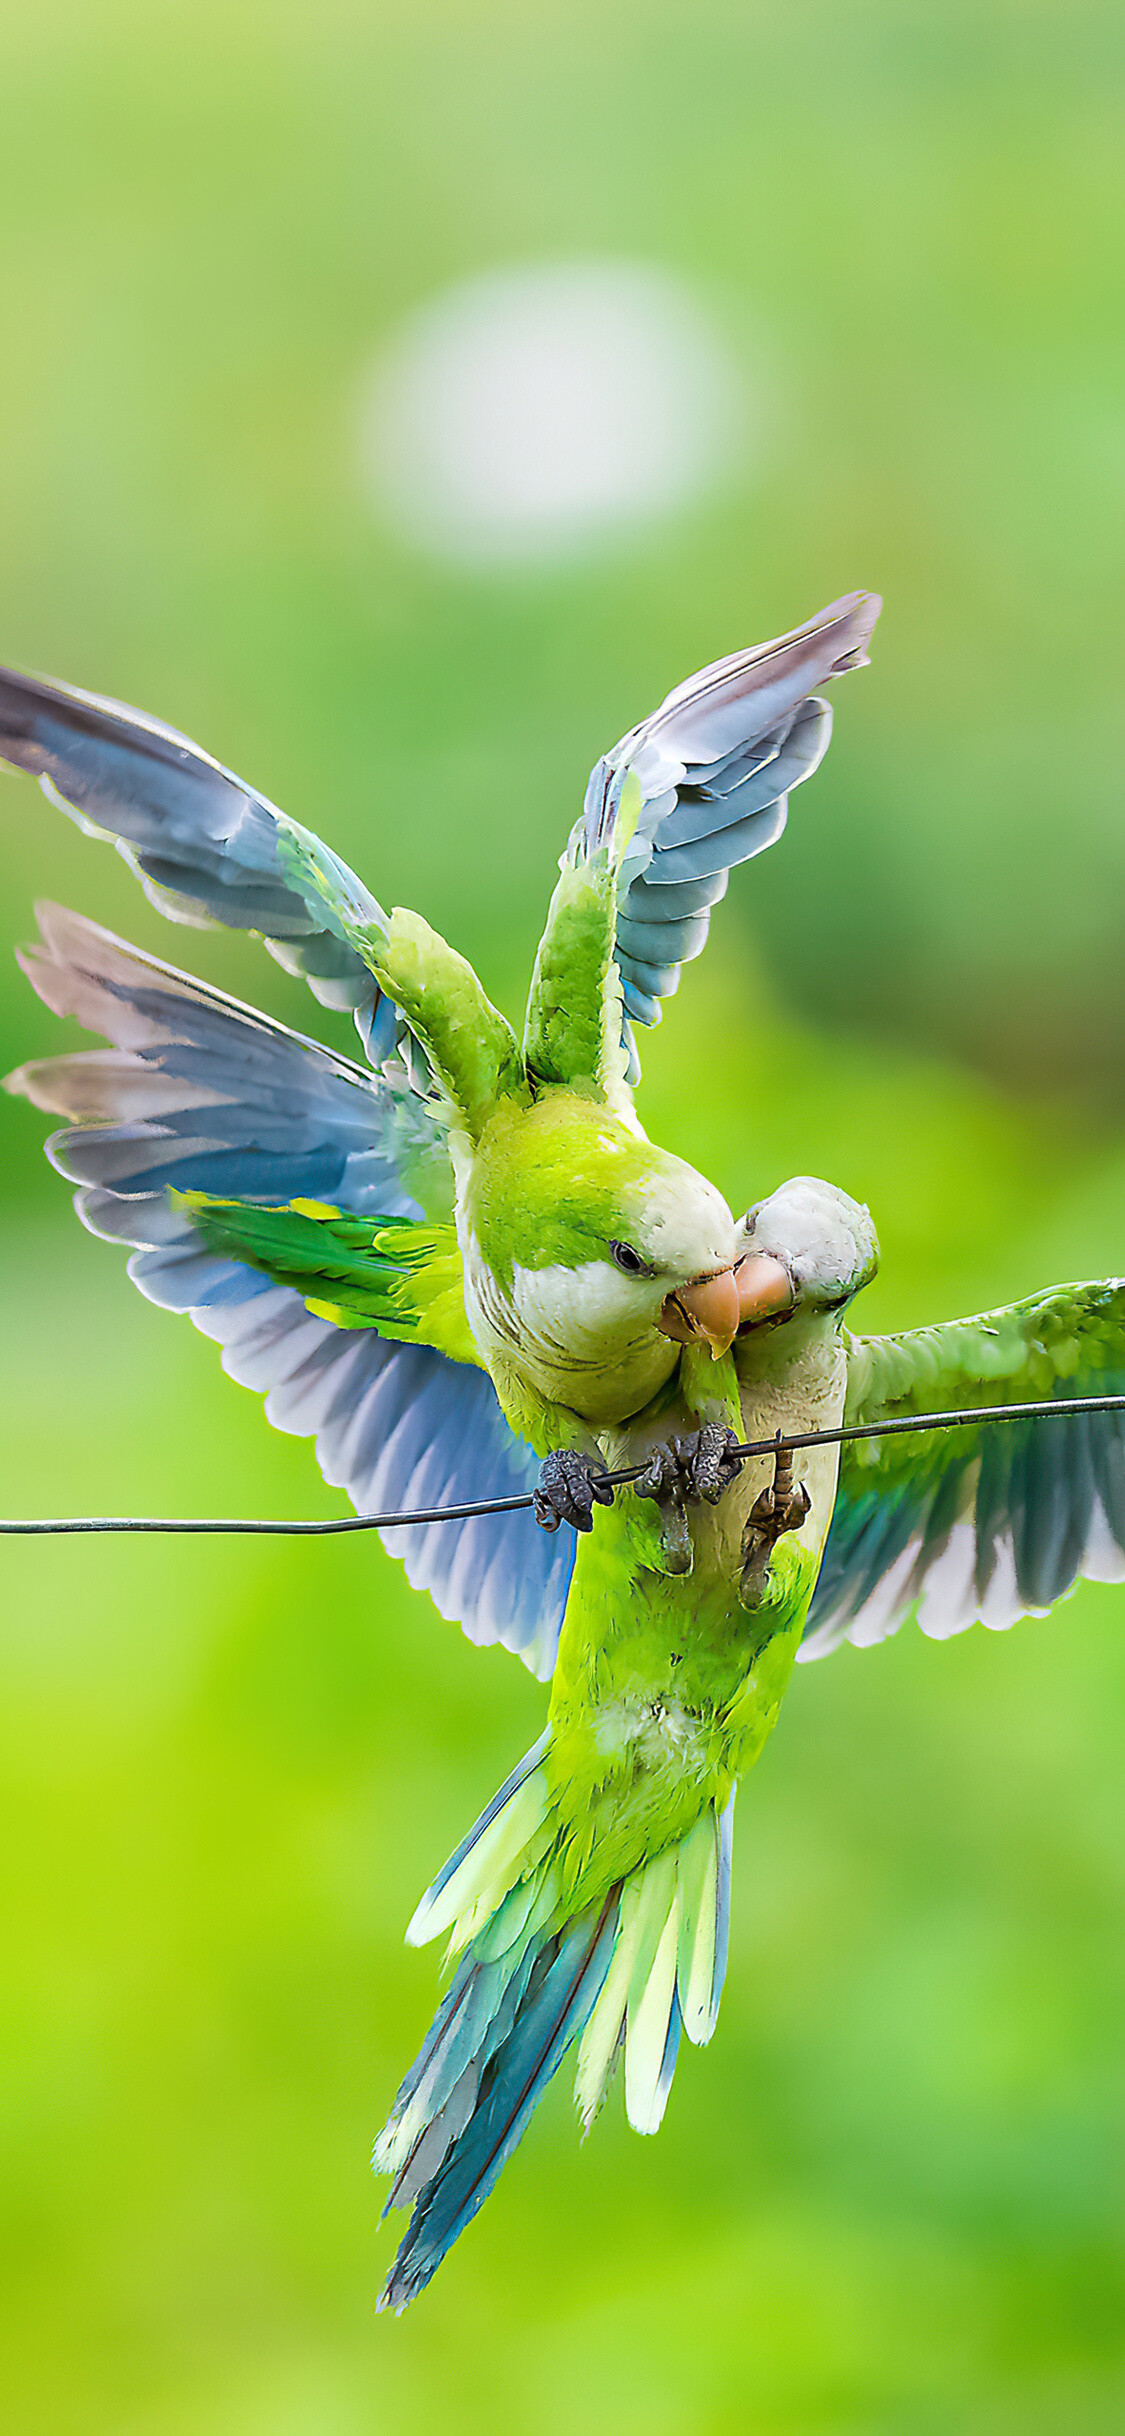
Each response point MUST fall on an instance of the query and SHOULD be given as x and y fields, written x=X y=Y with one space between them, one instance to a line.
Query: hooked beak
x=709 y=1309
x=764 y=1288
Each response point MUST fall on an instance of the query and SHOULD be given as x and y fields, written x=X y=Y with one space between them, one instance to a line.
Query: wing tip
x=859 y=612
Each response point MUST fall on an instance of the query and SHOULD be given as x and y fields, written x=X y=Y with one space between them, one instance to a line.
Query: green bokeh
x=888 y=2201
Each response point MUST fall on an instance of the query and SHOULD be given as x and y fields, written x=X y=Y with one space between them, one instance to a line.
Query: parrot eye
x=629 y=1260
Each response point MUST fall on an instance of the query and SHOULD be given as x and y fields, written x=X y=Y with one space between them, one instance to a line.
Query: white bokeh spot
x=531 y=413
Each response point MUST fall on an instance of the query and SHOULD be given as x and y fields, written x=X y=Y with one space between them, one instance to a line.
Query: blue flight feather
x=715 y=764
x=242 y=1108
x=206 y=847
x=994 y=1525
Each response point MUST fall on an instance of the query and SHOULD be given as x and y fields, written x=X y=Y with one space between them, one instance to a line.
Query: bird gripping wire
x=901 y=1426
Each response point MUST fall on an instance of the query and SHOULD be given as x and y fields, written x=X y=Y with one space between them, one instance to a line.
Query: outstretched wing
x=200 y=1094
x=715 y=766
x=701 y=785
x=966 y=1525
x=203 y=843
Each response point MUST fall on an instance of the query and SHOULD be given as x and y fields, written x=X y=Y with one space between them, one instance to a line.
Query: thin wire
x=901 y=1426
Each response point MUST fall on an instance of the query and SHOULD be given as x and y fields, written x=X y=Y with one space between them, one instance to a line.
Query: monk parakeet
x=587 y=1909
x=468 y=1256
x=467 y=1274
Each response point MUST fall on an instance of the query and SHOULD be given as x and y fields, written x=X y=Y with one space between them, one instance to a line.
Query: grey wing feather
x=402 y=1426
x=202 y=842
x=715 y=765
x=199 y=1086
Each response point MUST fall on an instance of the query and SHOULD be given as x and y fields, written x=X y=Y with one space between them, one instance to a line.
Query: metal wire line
x=902 y=1426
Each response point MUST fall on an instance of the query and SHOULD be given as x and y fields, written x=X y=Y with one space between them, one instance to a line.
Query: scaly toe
x=570 y=1485
x=712 y=1465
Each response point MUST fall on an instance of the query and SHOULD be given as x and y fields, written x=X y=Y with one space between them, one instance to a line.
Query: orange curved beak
x=709 y=1309
x=764 y=1288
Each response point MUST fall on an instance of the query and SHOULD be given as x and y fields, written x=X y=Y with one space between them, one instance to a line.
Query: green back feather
x=1023 y=1352
x=1036 y=1504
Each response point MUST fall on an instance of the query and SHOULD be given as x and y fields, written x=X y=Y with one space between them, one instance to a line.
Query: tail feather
x=695 y=1962
x=671 y=2051
x=652 y=1989
x=628 y=1975
x=561 y=1987
x=482 y=2005
x=722 y=1915
x=494 y=1855
x=666 y=1975
x=433 y=2135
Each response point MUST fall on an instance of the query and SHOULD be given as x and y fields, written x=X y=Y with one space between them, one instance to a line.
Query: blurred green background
x=890 y=2198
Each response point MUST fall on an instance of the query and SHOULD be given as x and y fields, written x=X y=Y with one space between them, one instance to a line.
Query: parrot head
x=808 y=1248
x=590 y=1249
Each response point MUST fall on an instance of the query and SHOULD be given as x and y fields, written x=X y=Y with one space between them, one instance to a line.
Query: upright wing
x=985 y=1524
x=699 y=786
x=200 y=1094
x=202 y=842
x=714 y=767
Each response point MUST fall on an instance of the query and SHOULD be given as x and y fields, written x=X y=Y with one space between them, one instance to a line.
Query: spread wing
x=984 y=1524
x=713 y=769
x=202 y=842
x=699 y=786
x=199 y=1096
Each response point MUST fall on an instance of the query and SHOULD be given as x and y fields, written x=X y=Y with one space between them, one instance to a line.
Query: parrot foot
x=783 y=1507
x=569 y=1486
x=691 y=1470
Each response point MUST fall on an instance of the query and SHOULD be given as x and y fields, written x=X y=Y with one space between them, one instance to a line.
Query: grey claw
x=782 y=1507
x=662 y=1477
x=687 y=1470
x=570 y=1485
x=708 y=1459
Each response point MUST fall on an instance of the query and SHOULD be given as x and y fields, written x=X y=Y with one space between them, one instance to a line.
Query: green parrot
x=588 y=1907
x=466 y=1273
x=495 y=1208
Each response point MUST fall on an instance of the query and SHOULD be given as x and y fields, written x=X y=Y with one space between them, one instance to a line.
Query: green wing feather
x=984 y=1524
x=469 y=1044
x=573 y=1028
x=396 y=1275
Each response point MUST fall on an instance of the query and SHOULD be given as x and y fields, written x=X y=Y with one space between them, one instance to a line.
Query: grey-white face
x=813 y=1236
x=669 y=1268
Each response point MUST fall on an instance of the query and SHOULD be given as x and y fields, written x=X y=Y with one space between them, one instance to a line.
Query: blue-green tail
x=625 y=1975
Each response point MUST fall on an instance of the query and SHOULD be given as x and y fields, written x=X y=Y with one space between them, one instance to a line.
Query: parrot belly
x=666 y=1686
x=665 y=1691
